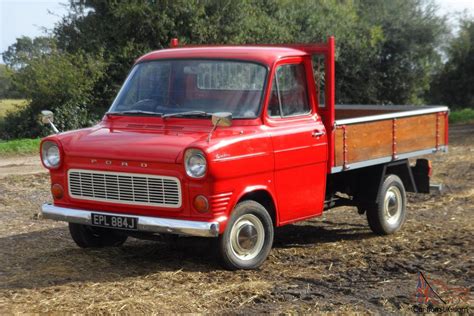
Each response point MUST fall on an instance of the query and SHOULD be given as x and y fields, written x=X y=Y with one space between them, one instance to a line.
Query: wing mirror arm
x=47 y=117
x=220 y=119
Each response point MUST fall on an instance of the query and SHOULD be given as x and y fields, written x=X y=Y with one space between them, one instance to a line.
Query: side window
x=289 y=95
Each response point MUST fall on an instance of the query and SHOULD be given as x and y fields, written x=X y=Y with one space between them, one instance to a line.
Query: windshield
x=192 y=86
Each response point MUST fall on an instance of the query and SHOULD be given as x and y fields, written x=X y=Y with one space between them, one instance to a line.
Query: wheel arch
x=403 y=170
x=262 y=195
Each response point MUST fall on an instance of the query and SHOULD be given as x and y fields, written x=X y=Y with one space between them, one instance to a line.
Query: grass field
x=7 y=105
x=19 y=146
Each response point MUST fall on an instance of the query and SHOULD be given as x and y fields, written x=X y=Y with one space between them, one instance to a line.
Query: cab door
x=299 y=141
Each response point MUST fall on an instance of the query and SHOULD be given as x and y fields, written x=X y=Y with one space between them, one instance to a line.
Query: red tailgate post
x=331 y=99
x=328 y=111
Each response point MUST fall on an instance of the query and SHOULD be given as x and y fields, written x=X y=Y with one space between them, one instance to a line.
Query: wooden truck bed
x=373 y=134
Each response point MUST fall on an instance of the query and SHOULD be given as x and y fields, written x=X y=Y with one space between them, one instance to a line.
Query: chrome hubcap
x=392 y=205
x=247 y=237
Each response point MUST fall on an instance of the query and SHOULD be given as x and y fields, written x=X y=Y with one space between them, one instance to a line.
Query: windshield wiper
x=188 y=113
x=135 y=112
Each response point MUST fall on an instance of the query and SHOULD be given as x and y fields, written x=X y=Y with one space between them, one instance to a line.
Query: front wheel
x=388 y=214
x=86 y=236
x=248 y=238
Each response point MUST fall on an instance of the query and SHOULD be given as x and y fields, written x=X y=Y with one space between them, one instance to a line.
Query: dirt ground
x=329 y=264
x=20 y=165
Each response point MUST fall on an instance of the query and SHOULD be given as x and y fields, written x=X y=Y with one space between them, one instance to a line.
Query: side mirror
x=222 y=119
x=47 y=117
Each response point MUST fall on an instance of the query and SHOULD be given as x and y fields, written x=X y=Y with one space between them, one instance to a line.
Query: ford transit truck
x=230 y=142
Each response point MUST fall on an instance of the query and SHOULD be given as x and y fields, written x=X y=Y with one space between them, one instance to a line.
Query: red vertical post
x=437 y=130
x=394 y=139
x=446 y=129
x=344 y=151
x=330 y=98
x=174 y=43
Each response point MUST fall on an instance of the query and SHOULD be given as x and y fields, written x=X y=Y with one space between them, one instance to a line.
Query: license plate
x=113 y=221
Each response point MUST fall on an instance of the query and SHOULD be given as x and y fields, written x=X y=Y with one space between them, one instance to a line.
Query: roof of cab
x=263 y=54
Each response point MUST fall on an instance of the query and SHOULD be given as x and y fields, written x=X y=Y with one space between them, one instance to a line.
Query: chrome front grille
x=125 y=188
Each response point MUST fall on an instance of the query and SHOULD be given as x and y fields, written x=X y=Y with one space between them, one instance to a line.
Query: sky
x=30 y=17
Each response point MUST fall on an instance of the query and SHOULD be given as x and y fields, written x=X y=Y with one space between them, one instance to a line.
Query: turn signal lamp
x=57 y=191
x=201 y=204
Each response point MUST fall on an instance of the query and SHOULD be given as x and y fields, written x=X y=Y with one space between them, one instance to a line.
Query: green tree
x=356 y=41
x=386 y=49
x=453 y=85
x=25 y=49
x=5 y=82
x=60 y=82
x=7 y=90
x=401 y=63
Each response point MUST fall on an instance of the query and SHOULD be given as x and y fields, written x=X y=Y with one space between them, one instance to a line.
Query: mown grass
x=19 y=146
x=462 y=116
x=10 y=105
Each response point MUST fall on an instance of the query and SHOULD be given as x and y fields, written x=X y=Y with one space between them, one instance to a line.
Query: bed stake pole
x=394 y=139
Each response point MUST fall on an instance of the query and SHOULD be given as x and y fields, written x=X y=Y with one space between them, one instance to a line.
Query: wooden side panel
x=416 y=133
x=365 y=141
x=442 y=129
x=338 y=147
x=372 y=140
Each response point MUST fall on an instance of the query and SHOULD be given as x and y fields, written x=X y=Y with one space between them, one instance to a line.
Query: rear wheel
x=248 y=238
x=388 y=214
x=86 y=236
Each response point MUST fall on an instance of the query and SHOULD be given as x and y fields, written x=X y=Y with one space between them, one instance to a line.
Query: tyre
x=388 y=214
x=248 y=238
x=86 y=236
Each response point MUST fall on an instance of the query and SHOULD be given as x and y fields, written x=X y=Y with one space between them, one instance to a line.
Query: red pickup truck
x=231 y=142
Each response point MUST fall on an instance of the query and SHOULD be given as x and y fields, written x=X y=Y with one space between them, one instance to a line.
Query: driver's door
x=299 y=142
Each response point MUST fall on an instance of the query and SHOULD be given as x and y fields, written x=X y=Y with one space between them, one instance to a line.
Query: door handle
x=317 y=133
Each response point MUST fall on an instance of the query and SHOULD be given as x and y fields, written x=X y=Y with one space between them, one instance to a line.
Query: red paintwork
x=174 y=43
x=259 y=54
x=446 y=129
x=279 y=156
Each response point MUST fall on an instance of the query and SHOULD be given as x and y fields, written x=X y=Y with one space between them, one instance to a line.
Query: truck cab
x=225 y=142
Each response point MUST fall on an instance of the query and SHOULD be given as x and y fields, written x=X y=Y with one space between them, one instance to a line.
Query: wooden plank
x=442 y=129
x=338 y=147
x=416 y=133
x=365 y=141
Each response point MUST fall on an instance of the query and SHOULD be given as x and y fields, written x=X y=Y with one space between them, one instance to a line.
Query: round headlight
x=50 y=154
x=195 y=163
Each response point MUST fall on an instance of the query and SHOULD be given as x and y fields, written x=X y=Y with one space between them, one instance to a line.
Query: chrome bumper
x=145 y=223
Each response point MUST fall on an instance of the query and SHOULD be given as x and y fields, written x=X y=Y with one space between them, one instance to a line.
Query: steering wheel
x=140 y=105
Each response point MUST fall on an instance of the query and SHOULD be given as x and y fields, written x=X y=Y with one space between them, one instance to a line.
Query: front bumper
x=145 y=223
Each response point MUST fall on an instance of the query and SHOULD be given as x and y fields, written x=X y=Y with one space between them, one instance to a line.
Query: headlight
x=195 y=163
x=50 y=154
